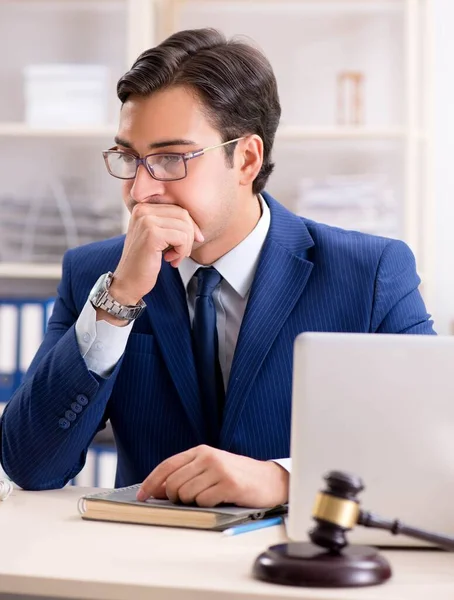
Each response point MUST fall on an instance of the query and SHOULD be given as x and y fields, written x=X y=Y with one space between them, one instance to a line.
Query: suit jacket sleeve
x=49 y=422
x=398 y=306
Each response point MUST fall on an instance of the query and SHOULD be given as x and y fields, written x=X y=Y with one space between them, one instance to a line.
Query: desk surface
x=47 y=550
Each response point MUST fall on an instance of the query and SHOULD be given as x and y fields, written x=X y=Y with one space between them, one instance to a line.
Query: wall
x=442 y=306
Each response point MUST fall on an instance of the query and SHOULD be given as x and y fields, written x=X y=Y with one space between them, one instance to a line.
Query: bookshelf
x=21 y=130
x=30 y=271
x=387 y=40
x=36 y=158
x=309 y=42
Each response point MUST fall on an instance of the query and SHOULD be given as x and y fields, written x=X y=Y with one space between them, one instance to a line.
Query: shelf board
x=286 y=132
x=30 y=271
x=290 y=133
x=308 y=6
x=24 y=130
x=70 y=5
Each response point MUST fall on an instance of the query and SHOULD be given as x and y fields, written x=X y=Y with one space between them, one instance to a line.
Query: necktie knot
x=207 y=280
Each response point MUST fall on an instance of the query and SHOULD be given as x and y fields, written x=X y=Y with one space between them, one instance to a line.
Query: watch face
x=99 y=286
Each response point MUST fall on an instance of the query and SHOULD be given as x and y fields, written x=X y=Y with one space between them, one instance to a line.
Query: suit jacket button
x=82 y=400
x=76 y=408
x=70 y=415
x=64 y=423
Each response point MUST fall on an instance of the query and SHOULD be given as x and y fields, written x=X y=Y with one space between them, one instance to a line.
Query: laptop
x=380 y=407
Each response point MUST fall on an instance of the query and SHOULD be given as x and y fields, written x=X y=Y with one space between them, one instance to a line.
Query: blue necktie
x=206 y=350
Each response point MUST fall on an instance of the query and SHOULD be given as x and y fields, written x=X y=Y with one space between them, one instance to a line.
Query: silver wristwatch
x=100 y=298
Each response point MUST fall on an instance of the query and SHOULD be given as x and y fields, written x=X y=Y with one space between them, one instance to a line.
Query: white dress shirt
x=102 y=344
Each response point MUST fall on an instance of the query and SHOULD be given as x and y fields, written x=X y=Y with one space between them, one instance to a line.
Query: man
x=185 y=342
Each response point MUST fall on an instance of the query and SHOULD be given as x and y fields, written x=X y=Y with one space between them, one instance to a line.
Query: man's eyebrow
x=124 y=143
x=156 y=145
x=165 y=143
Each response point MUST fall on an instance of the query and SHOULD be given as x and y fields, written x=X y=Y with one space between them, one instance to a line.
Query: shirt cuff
x=101 y=344
x=285 y=463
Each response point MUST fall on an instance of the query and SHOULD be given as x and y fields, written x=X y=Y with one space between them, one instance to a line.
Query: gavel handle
x=370 y=520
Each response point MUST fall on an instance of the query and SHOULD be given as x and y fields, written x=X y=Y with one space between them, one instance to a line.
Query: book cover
x=120 y=505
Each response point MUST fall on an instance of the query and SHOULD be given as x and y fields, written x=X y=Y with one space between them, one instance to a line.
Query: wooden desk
x=47 y=550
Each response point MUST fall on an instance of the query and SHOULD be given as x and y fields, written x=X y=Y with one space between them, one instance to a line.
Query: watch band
x=101 y=298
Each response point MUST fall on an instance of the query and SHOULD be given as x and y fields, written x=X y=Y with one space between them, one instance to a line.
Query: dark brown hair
x=233 y=79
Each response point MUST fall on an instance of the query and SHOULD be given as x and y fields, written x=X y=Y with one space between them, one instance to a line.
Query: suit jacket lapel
x=168 y=311
x=281 y=276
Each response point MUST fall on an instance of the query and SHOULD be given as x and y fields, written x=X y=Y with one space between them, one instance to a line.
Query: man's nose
x=145 y=186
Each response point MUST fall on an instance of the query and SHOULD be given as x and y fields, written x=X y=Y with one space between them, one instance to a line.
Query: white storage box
x=66 y=95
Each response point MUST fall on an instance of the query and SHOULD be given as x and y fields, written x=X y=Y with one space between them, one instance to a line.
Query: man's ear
x=250 y=159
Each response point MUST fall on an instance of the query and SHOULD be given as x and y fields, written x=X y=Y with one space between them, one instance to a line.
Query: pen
x=253 y=525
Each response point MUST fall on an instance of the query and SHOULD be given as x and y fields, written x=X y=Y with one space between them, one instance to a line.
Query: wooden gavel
x=337 y=511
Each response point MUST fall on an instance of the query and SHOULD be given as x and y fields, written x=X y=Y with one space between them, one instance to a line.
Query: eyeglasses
x=170 y=166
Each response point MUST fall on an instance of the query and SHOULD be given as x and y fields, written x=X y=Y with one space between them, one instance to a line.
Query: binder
x=23 y=324
x=99 y=469
x=9 y=335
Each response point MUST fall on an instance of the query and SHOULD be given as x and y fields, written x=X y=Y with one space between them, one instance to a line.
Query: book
x=121 y=506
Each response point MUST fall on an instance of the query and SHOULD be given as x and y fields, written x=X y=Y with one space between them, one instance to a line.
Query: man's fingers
x=211 y=496
x=154 y=482
x=180 y=241
x=171 y=223
x=182 y=476
x=171 y=255
x=159 y=209
x=198 y=235
x=160 y=492
x=190 y=490
x=163 y=214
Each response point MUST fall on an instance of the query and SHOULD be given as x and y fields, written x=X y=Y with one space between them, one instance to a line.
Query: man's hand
x=208 y=476
x=152 y=229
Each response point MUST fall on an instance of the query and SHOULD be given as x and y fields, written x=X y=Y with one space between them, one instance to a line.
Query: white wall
x=442 y=304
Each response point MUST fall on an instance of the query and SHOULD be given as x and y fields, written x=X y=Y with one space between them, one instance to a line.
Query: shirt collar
x=239 y=265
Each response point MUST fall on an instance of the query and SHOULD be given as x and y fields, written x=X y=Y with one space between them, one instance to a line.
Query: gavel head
x=336 y=510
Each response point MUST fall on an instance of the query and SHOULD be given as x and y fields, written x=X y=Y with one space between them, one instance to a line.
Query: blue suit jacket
x=310 y=277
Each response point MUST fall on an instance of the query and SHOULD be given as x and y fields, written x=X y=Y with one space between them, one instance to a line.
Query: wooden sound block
x=306 y=565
